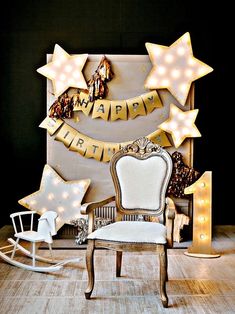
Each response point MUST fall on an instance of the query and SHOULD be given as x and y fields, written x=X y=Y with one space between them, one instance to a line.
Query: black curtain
x=29 y=29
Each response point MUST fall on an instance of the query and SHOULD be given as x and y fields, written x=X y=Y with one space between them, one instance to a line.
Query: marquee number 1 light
x=202 y=208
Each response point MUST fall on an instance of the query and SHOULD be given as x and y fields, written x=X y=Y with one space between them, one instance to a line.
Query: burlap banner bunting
x=89 y=147
x=118 y=109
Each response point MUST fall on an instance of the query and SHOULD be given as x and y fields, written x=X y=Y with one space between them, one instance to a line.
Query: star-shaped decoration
x=63 y=197
x=180 y=124
x=175 y=67
x=65 y=71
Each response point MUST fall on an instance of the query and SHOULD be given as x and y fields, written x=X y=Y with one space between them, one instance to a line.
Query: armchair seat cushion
x=131 y=232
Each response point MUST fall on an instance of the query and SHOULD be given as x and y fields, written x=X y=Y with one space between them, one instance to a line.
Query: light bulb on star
x=60 y=197
x=180 y=124
x=65 y=71
x=175 y=67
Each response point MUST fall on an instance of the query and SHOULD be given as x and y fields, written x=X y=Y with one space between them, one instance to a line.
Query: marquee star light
x=63 y=197
x=180 y=124
x=175 y=67
x=65 y=71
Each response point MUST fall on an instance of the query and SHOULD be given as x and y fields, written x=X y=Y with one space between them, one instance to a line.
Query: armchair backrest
x=141 y=172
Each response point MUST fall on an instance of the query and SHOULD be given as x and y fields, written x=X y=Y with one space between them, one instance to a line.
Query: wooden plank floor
x=195 y=285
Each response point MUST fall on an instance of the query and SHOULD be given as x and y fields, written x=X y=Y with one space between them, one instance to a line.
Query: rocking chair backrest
x=21 y=227
x=141 y=172
x=47 y=225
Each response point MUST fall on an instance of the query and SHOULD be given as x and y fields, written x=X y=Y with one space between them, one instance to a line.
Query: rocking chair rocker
x=45 y=230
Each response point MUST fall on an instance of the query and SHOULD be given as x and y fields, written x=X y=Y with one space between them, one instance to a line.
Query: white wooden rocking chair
x=45 y=230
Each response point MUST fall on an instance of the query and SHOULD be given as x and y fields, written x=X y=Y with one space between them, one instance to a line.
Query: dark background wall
x=29 y=30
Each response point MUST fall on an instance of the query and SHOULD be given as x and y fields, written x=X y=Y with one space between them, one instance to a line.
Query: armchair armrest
x=170 y=209
x=169 y=218
x=88 y=209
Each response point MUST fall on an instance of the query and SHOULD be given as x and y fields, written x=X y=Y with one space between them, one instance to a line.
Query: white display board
x=130 y=72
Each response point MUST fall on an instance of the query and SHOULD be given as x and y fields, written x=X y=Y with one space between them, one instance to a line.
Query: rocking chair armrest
x=89 y=207
x=170 y=216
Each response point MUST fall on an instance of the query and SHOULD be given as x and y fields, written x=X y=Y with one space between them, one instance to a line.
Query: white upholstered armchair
x=140 y=172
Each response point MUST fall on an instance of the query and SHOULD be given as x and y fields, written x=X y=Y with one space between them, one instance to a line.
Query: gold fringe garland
x=97 y=85
x=89 y=147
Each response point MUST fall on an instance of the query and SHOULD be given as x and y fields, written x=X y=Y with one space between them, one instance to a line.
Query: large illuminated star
x=175 y=67
x=180 y=124
x=63 y=197
x=65 y=71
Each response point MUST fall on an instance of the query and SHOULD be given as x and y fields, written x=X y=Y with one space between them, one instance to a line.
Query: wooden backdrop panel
x=130 y=73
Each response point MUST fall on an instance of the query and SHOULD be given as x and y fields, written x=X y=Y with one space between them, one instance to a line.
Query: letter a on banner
x=101 y=109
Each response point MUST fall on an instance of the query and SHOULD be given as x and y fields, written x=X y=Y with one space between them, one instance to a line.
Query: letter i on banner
x=66 y=135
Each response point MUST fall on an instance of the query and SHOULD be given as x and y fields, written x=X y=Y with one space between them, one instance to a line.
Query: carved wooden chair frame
x=140 y=149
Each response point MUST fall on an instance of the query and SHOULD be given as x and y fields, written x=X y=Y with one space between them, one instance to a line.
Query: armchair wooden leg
x=118 y=263
x=163 y=275
x=90 y=268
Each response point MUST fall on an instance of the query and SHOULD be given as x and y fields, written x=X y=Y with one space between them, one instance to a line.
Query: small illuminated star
x=65 y=71
x=63 y=197
x=180 y=124
x=175 y=67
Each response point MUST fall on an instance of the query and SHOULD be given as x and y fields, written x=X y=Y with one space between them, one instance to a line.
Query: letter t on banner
x=202 y=192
